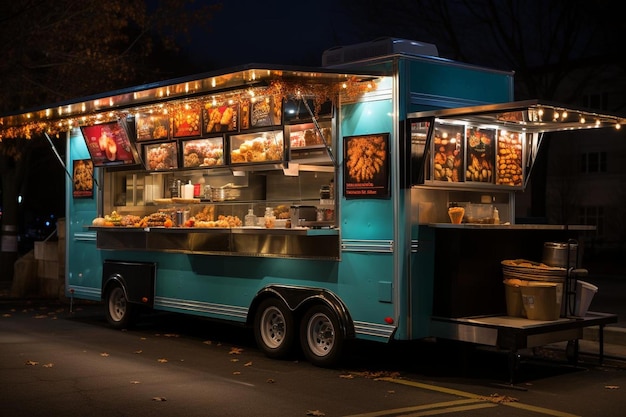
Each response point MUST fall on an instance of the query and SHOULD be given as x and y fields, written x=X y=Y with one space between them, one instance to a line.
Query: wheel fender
x=298 y=299
x=137 y=279
x=115 y=279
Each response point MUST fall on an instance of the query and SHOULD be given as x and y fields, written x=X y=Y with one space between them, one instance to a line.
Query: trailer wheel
x=320 y=336
x=274 y=329
x=119 y=312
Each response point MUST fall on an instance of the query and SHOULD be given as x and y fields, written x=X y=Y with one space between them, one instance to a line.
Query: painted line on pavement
x=443 y=407
x=477 y=397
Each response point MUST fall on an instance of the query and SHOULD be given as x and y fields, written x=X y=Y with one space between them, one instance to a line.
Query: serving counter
x=242 y=241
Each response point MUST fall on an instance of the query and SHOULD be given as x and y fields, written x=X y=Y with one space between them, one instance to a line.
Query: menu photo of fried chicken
x=83 y=178
x=220 y=117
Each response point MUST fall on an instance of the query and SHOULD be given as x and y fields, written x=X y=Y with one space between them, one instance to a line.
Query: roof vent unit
x=377 y=48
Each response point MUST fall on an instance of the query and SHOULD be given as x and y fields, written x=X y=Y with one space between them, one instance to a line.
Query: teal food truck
x=312 y=204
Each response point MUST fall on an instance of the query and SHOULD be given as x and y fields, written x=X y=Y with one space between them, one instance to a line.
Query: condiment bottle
x=188 y=191
x=270 y=219
x=250 y=218
x=496 y=216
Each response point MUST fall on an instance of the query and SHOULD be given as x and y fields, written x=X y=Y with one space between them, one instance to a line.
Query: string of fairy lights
x=54 y=123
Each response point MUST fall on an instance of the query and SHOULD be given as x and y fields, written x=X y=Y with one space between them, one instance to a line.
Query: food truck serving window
x=448 y=152
x=111 y=144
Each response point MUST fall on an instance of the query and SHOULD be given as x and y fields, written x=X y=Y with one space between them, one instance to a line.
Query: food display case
x=480 y=158
x=205 y=152
x=161 y=156
x=474 y=153
x=310 y=142
x=266 y=146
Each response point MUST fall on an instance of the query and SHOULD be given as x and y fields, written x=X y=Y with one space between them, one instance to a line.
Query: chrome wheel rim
x=320 y=334
x=117 y=304
x=272 y=327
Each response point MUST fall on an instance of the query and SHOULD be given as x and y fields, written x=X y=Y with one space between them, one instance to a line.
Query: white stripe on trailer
x=374 y=329
x=90 y=292
x=358 y=245
x=199 y=306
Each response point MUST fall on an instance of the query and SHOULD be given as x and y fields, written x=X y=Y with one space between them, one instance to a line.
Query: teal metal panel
x=459 y=82
x=367 y=222
x=83 y=260
x=366 y=219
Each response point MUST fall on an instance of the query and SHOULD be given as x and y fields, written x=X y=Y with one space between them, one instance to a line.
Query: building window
x=592 y=216
x=593 y=162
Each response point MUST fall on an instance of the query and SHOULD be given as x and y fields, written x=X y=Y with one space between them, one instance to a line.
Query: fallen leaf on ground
x=207 y=342
x=234 y=360
x=48 y=365
x=159 y=399
x=138 y=351
x=378 y=374
x=346 y=376
x=31 y=363
x=40 y=316
x=236 y=373
x=135 y=382
x=6 y=315
x=498 y=399
x=315 y=413
x=248 y=363
x=270 y=381
x=162 y=360
x=104 y=354
x=171 y=335
x=611 y=386
x=235 y=351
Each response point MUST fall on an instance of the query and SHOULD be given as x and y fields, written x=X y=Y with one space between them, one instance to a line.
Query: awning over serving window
x=531 y=116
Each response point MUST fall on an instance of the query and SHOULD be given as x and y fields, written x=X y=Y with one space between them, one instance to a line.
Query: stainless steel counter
x=510 y=226
x=240 y=241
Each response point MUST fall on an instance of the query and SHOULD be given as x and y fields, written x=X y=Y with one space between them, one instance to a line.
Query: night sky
x=271 y=32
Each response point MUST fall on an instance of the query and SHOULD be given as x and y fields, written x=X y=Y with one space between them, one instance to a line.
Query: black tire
x=120 y=314
x=321 y=337
x=274 y=329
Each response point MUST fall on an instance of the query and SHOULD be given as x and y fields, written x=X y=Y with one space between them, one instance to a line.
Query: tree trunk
x=8 y=234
